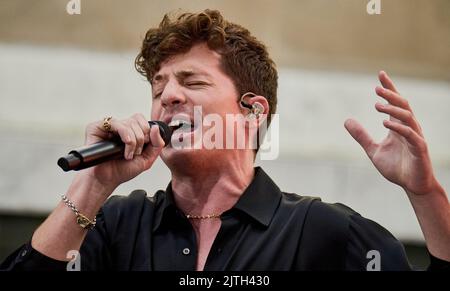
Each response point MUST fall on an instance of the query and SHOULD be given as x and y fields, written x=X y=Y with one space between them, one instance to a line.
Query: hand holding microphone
x=97 y=153
x=119 y=149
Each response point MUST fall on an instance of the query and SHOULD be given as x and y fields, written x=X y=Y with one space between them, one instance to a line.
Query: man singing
x=219 y=212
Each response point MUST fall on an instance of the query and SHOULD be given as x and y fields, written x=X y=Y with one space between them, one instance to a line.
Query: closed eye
x=193 y=84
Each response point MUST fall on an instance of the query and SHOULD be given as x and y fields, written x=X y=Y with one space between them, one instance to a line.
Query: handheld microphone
x=94 y=154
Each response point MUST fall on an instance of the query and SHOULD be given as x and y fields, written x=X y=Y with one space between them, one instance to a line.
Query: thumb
x=360 y=134
x=152 y=150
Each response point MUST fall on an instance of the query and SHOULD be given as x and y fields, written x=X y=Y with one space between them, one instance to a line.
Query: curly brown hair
x=243 y=58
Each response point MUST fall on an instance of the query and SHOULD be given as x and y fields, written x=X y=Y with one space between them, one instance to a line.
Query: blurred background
x=59 y=72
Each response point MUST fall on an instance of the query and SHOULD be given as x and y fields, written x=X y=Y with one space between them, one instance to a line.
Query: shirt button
x=186 y=251
x=24 y=253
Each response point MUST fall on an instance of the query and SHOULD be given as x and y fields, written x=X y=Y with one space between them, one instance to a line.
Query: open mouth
x=183 y=132
x=180 y=126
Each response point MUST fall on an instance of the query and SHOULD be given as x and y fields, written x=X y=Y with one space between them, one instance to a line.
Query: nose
x=172 y=96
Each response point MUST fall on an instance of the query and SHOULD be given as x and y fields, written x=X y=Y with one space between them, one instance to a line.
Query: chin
x=179 y=159
x=189 y=160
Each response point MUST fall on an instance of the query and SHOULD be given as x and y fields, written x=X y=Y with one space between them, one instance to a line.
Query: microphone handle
x=97 y=153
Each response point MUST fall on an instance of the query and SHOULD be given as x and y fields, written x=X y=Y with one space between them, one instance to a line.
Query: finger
x=157 y=144
x=386 y=81
x=393 y=98
x=127 y=136
x=95 y=132
x=400 y=114
x=407 y=132
x=139 y=134
x=155 y=137
x=143 y=123
x=361 y=135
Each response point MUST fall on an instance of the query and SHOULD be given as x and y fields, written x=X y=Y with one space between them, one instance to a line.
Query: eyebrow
x=182 y=74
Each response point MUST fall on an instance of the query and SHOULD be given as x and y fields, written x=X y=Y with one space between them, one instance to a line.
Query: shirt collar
x=165 y=203
x=260 y=200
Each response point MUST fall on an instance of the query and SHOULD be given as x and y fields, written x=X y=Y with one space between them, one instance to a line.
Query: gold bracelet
x=82 y=220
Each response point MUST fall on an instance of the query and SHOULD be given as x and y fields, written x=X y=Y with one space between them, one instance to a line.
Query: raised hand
x=402 y=156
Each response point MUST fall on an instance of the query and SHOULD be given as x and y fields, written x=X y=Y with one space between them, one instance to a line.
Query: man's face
x=189 y=80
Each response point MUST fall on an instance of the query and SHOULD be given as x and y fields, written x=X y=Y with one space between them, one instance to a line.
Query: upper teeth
x=176 y=123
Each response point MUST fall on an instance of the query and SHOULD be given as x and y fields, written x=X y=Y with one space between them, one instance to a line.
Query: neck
x=213 y=191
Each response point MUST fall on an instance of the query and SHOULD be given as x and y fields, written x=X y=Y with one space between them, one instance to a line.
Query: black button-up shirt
x=266 y=230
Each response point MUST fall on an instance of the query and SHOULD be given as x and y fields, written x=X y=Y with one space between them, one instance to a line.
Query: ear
x=249 y=99
x=261 y=100
x=256 y=103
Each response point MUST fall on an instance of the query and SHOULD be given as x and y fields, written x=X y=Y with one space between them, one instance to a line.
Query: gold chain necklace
x=191 y=216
